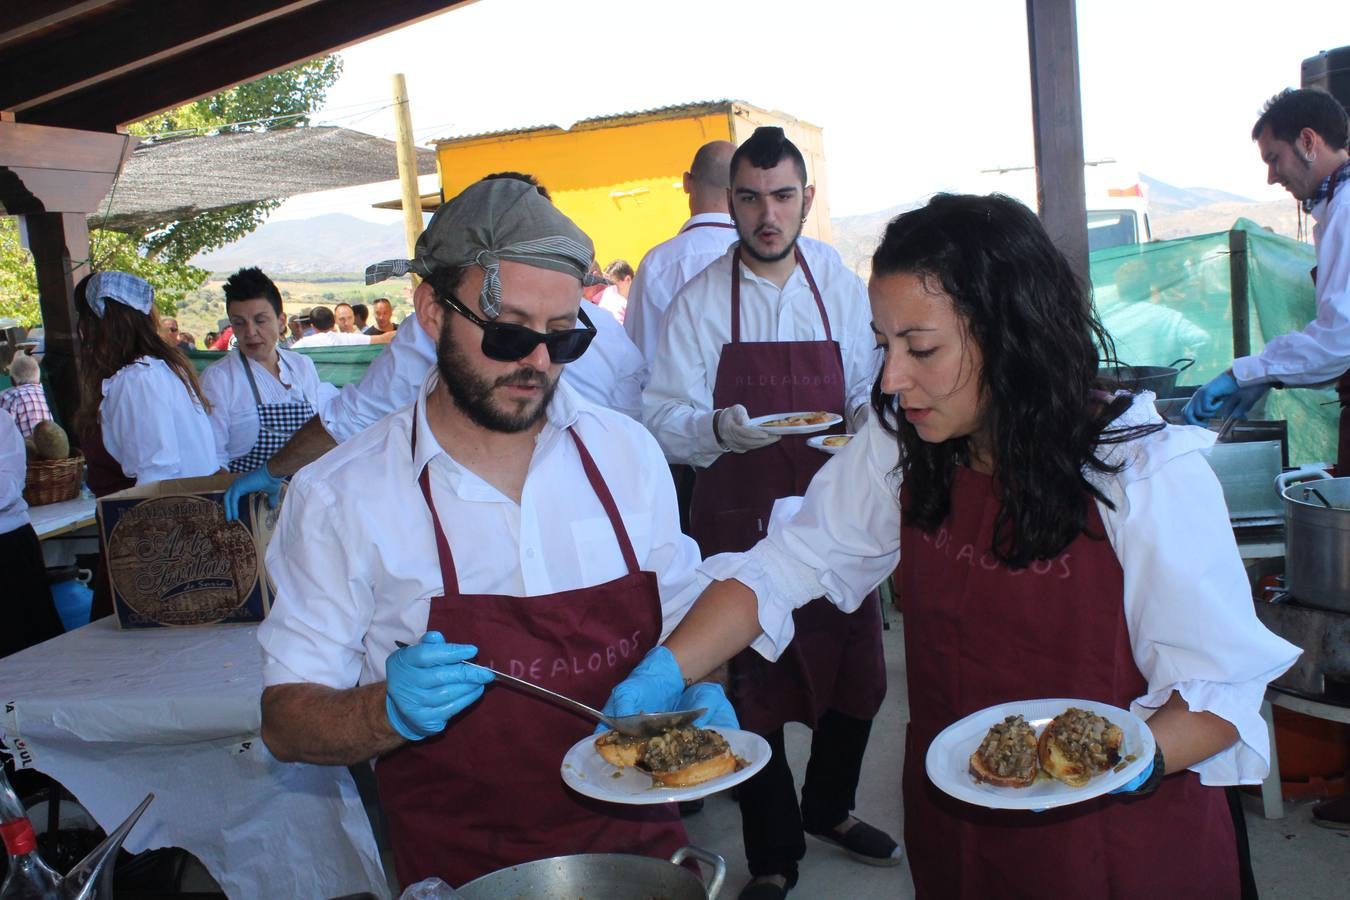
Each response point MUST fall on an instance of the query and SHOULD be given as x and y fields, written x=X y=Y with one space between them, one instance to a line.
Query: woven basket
x=53 y=480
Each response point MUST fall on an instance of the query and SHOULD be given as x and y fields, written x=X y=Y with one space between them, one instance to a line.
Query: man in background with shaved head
x=702 y=239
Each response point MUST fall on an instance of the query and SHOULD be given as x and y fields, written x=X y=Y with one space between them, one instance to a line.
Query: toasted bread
x=620 y=749
x=685 y=756
x=811 y=418
x=1078 y=745
x=1007 y=755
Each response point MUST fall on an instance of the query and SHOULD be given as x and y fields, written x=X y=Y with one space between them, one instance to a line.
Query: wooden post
x=1237 y=281
x=60 y=246
x=407 y=167
x=1057 y=123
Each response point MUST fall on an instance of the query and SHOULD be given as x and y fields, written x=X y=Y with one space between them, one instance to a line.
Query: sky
x=913 y=97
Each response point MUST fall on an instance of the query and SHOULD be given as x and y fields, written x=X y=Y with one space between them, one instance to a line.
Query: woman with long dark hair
x=142 y=415
x=1055 y=538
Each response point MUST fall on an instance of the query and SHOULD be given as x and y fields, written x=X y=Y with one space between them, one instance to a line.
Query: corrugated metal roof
x=171 y=180
x=701 y=107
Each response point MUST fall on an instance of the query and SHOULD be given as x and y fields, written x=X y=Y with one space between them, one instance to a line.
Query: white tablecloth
x=55 y=516
x=113 y=715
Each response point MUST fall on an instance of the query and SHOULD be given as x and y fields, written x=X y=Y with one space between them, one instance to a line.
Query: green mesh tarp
x=336 y=365
x=1172 y=300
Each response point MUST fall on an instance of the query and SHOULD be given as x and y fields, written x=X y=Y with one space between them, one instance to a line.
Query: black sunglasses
x=507 y=342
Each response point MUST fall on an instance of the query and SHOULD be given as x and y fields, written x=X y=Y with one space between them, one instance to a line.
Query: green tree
x=160 y=253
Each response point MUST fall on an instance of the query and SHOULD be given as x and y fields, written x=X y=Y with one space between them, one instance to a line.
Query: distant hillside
x=329 y=243
x=310 y=249
x=1166 y=198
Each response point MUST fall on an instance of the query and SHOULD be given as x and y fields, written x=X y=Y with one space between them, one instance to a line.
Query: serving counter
x=113 y=715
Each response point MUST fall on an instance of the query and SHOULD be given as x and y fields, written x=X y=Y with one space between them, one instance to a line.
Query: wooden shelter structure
x=73 y=72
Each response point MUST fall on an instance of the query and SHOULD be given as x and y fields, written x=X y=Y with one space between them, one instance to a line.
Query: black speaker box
x=1330 y=71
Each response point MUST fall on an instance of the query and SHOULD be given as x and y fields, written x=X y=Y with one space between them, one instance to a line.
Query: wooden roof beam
x=322 y=27
x=24 y=20
x=138 y=33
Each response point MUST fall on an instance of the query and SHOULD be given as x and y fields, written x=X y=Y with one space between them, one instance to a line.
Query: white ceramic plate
x=948 y=760
x=819 y=442
x=585 y=771
x=759 y=422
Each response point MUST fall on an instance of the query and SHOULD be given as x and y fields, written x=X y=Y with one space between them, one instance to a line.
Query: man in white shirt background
x=615 y=295
x=345 y=318
x=703 y=238
x=326 y=334
x=1302 y=137
x=501 y=516
x=775 y=326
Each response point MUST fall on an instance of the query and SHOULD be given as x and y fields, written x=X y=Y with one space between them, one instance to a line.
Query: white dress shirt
x=1321 y=351
x=13 y=472
x=666 y=268
x=1187 y=600
x=678 y=402
x=153 y=427
x=610 y=373
x=331 y=339
x=234 y=411
x=354 y=555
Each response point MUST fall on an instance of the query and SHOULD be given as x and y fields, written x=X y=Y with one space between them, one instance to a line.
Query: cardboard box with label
x=173 y=559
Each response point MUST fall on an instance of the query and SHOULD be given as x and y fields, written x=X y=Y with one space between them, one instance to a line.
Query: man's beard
x=473 y=394
x=790 y=246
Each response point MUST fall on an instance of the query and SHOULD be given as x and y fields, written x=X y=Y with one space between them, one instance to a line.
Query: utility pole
x=407 y=167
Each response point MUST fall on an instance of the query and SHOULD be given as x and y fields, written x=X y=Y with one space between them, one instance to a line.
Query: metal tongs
x=1227 y=426
x=640 y=725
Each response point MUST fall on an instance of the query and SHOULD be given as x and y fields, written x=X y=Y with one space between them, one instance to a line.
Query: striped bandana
x=125 y=288
x=491 y=221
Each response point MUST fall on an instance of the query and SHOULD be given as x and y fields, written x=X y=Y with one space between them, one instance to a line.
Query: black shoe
x=1334 y=813
x=862 y=842
x=766 y=887
x=689 y=807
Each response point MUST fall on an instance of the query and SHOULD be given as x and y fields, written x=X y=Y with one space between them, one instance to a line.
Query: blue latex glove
x=1206 y=402
x=1137 y=781
x=1221 y=398
x=258 y=481
x=708 y=695
x=425 y=685
x=656 y=685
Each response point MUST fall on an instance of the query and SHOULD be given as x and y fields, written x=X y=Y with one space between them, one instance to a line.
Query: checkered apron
x=276 y=423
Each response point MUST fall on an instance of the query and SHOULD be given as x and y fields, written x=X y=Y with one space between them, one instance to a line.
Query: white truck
x=1117 y=201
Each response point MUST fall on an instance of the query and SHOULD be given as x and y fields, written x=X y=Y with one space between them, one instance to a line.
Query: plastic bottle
x=29 y=877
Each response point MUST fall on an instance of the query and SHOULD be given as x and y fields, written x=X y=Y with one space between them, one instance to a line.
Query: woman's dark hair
x=1045 y=414
x=252 y=284
x=108 y=344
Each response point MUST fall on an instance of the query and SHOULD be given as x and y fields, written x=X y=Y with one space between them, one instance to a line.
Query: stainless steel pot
x=1316 y=537
x=1161 y=380
x=601 y=876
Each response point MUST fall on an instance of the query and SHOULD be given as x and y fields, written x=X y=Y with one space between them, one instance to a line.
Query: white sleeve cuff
x=779 y=590
x=1248 y=760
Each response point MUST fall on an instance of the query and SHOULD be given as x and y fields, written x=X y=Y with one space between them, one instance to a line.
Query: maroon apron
x=978 y=634
x=104 y=476
x=836 y=659
x=486 y=793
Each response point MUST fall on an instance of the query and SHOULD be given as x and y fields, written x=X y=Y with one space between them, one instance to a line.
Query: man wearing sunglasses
x=500 y=518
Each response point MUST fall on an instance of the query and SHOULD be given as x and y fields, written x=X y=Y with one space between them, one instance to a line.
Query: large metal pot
x=601 y=876
x=1316 y=537
x=1161 y=380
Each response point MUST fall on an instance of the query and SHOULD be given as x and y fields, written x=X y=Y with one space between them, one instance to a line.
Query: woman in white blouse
x=260 y=394
x=143 y=416
x=1056 y=539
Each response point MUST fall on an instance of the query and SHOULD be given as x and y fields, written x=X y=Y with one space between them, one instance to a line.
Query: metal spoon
x=640 y=725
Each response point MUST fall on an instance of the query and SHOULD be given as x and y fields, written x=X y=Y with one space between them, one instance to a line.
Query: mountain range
x=336 y=242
